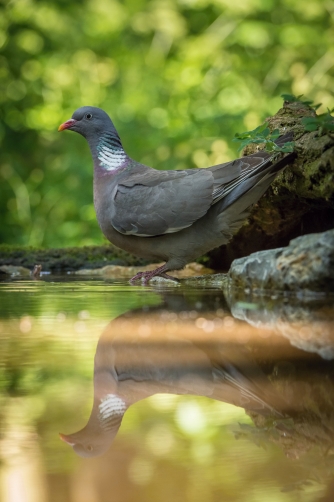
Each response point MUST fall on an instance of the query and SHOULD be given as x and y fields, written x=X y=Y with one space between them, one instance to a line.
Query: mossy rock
x=66 y=259
x=299 y=201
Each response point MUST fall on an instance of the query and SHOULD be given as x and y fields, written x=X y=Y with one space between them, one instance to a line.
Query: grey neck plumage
x=108 y=153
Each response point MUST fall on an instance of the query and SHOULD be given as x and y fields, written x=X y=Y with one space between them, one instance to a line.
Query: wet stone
x=118 y=271
x=306 y=265
x=13 y=270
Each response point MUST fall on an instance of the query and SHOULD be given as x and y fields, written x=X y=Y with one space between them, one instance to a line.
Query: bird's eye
x=89 y=447
x=89 y=116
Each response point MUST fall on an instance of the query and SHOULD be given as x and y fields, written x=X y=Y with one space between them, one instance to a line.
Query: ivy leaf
x=286 y=148
x=262 y=135
x=310 y=124
x=291 y=98
x=271 y=146
x=325 y=121
x=275 y=134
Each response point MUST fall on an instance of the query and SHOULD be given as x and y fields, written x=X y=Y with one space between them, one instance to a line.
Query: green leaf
x=290 y=98
x=286 y=148
x=275 y=134
x=311 y=126
x=260 y=130
x=262 y=135
x=238 y=136
x=270 y=146
x=325 y=121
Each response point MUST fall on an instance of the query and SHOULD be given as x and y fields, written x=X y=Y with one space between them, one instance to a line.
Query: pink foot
x=146 y=276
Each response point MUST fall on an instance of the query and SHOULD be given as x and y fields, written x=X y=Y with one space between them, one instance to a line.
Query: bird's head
x=88 y=445
x=100 y=431
x=88 y=121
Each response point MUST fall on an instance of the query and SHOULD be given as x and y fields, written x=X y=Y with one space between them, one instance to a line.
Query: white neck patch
x=111 y=159
x=110 y=406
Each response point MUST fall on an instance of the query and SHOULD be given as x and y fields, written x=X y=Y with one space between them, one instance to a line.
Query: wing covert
x=156 y=203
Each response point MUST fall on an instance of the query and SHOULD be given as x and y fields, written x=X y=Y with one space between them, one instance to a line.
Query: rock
x=207 y=281
x=13 y=270
x=308 y=325
x=162 y=281
x=307 y=265
x=120 y=272
x=301 y=199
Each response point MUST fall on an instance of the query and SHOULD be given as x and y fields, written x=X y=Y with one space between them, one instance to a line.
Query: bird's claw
x=140 y=275
x=147 y=276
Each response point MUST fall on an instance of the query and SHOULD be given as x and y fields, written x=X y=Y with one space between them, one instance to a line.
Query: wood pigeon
x=173 y=216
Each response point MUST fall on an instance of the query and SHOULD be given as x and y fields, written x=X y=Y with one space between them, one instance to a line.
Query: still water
x=179 y=394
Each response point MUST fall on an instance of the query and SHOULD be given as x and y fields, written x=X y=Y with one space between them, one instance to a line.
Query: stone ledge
x=306 y=264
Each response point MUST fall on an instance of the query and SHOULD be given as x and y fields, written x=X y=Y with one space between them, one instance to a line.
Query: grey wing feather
x=254 y=184
x=151 y=202
x=148 y=202
x=242 y=169
x=233 y=179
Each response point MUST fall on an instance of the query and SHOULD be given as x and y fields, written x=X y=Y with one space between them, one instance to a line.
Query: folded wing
x=148 y=202
x=151 y=202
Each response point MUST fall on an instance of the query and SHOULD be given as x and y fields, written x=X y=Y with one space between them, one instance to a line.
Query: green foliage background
x=178 y=77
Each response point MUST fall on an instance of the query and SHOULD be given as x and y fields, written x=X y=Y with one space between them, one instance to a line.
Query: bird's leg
x=146 y=276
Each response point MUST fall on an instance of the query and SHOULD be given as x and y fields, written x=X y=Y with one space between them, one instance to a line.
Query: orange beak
x=66 y=125
x=66 y=439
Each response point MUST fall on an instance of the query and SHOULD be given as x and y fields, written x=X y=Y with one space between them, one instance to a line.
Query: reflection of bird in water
x=138 y=356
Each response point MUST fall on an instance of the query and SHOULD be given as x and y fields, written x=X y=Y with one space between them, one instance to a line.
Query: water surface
x=179 y=394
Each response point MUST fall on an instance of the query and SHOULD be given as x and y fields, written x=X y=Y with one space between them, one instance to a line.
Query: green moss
x=66 y=259
x=305 y=186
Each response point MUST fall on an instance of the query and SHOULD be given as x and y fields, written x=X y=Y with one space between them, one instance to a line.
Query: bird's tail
x=246 y=393
x=235 y=207
x=252 y=183
x=250 y=191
